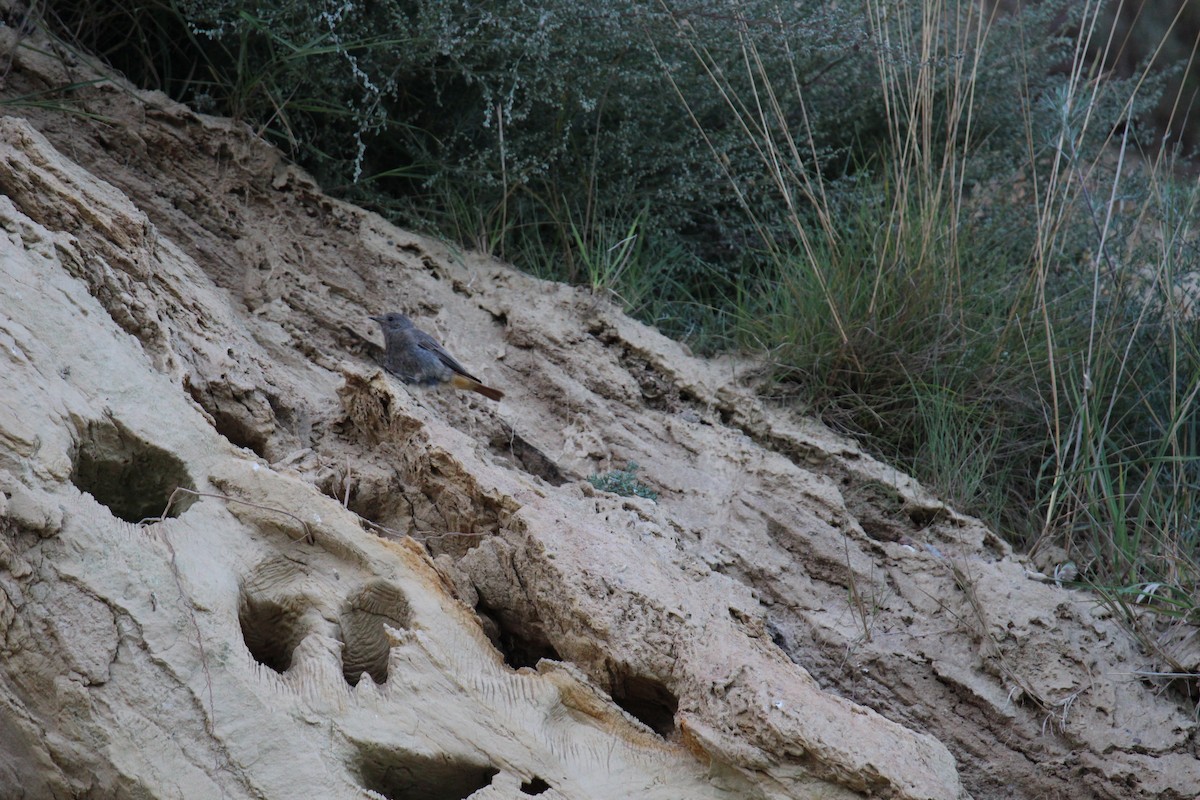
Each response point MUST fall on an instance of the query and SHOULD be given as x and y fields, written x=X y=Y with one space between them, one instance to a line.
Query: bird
x=413 y=356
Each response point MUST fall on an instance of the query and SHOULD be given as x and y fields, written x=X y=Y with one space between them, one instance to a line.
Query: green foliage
x=983 y=302
x=910 y=342
x=623 y=482
x=536 y=120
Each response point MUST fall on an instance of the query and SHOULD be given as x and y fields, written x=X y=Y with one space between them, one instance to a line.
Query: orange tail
x=461 y=382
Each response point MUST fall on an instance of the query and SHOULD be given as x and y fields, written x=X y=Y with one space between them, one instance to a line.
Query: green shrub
x=623 y=482
x=518 y=123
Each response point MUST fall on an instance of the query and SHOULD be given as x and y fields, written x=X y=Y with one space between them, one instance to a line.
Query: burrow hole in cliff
x=239 y=429
x=399 y=775
x=430 y=507
x=534 y=786
x=521 y=644
x=268 y=424
x=131 y=477
x=362 y=624
x=659 y=392
x=647 y=700
x=511 y=445
x=379 y=498
x=271 y=629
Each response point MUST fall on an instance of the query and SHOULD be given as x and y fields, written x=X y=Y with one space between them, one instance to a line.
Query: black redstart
x=413 y=356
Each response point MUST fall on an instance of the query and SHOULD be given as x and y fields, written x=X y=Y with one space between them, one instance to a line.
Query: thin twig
x=308 y=535
x=424 y=536
x=211 y=723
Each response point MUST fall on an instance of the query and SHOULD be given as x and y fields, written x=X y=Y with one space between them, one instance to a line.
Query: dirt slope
x=414 y=593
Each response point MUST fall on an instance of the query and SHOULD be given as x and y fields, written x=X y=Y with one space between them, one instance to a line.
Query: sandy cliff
x=375 y=588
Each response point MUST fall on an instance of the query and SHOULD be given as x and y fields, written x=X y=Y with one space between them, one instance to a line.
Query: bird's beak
x=377 y=319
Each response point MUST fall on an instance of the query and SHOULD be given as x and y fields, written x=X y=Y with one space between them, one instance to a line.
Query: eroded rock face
x=368 y=587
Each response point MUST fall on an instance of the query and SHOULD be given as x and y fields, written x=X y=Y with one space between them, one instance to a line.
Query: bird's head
x=393 y=321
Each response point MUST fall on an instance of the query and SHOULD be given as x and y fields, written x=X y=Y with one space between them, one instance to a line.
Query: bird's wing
x=427 y=342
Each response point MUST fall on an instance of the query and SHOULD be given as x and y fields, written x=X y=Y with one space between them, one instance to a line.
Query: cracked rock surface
x=237 y=558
